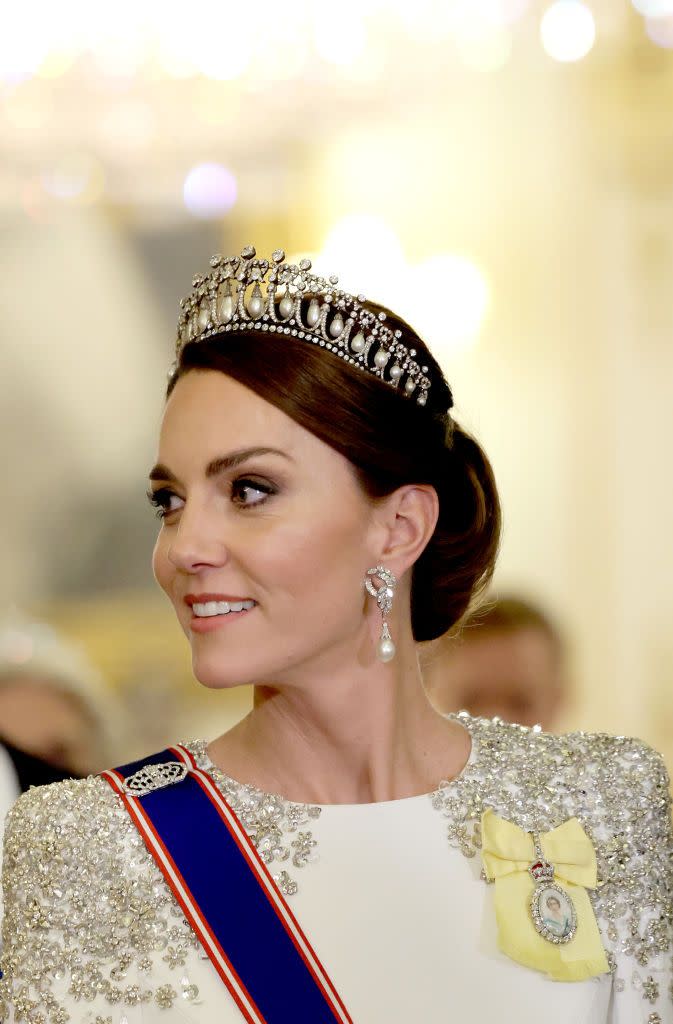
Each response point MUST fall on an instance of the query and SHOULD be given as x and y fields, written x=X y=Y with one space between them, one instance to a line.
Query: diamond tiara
x=242 y=293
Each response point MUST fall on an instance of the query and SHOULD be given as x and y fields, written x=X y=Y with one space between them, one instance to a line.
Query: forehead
x=209 y=415
x=203 y=397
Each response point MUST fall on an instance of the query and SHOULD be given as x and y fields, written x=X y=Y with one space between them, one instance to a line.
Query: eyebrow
x=218 y=465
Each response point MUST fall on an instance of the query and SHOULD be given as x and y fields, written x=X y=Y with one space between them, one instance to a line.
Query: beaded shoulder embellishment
x=97 y=923
x=280 y=829
x=617 y=787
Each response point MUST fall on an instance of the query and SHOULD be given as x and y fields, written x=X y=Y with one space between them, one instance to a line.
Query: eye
x=161 y=501
x=247 y=493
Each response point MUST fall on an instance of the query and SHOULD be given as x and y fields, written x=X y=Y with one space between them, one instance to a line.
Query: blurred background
x=498 y=171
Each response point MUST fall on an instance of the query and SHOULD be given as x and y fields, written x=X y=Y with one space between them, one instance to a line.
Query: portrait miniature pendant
x=552 y=909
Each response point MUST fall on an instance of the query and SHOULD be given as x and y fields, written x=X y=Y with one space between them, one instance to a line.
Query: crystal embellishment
x=99 y=903
x=617 y=787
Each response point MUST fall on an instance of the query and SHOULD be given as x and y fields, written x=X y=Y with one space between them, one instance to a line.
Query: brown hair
x=390 y=441
x=509 y=614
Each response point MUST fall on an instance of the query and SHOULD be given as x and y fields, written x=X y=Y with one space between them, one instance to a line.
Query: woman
x=321 y=512
x=555 y=918
x=54 y=707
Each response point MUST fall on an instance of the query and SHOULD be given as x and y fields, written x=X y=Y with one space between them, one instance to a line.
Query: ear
x=408 y=517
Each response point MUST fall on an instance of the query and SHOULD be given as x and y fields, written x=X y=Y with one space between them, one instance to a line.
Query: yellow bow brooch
x=544 y=916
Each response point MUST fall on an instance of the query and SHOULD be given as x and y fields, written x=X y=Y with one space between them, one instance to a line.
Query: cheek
x=321 y=562
x=161 y=566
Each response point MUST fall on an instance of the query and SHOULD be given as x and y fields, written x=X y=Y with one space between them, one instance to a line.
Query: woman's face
x=258 y=512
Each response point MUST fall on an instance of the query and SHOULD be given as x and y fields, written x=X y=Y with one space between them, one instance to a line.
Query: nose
x=196 y=543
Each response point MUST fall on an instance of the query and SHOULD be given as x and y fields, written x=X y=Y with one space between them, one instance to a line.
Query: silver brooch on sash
x=552 y=909
x=155 y=776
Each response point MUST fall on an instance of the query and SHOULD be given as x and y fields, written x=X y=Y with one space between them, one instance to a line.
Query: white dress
x=390 y=895
x=9 y=787
x=9 y=791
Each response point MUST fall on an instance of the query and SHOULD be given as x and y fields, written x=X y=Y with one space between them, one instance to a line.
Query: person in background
x=507 y=660
x=53 y=712
x=19 y=771
x=53 y=705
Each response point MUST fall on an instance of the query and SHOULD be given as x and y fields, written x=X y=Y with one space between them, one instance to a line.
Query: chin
x=218 y=675
x=223 y=670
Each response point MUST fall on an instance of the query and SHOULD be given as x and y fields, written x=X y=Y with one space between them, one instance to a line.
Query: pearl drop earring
x=384 y=594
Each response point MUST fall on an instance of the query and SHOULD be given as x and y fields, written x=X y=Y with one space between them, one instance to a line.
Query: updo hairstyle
x=390 y=440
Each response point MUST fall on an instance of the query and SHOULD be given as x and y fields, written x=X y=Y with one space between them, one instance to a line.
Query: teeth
x=210 y=608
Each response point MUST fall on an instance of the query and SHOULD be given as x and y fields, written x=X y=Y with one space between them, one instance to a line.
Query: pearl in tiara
x=246 y=294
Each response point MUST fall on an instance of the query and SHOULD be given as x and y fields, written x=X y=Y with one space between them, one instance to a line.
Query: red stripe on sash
x=183 y=895
x=273 y=893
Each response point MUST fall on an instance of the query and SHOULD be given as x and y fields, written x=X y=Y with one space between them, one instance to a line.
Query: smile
x=211 y=608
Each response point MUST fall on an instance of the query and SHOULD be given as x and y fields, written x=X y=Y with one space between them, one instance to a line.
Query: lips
x=192 y=599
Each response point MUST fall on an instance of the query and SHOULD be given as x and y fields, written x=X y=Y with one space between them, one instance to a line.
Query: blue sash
x=226 y=892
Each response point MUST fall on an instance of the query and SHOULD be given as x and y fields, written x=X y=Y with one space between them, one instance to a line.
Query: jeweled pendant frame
x=538 y=922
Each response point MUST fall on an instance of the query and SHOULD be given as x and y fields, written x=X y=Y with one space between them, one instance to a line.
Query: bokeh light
x=465 y=297
x=223 y=43
x=119 y=56
x=216 y=40
x=209 y=190
x=427 y=21
x=283 y=55
x=222 y=63
x=481 y=17
x=368 y=257
x=568 y=30
x=506 y=12
x=660 y=31
x=25 y=41
x=366 y=253
x=338 y=40
x=78 y=178
x=654 y=8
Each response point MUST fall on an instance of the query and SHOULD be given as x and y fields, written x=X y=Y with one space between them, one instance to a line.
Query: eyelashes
x=160 y=499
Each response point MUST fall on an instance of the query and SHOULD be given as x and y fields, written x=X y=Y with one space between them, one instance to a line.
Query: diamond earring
x=384 y=594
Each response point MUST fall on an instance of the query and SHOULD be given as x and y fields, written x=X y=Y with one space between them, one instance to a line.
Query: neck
x=360 y=734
